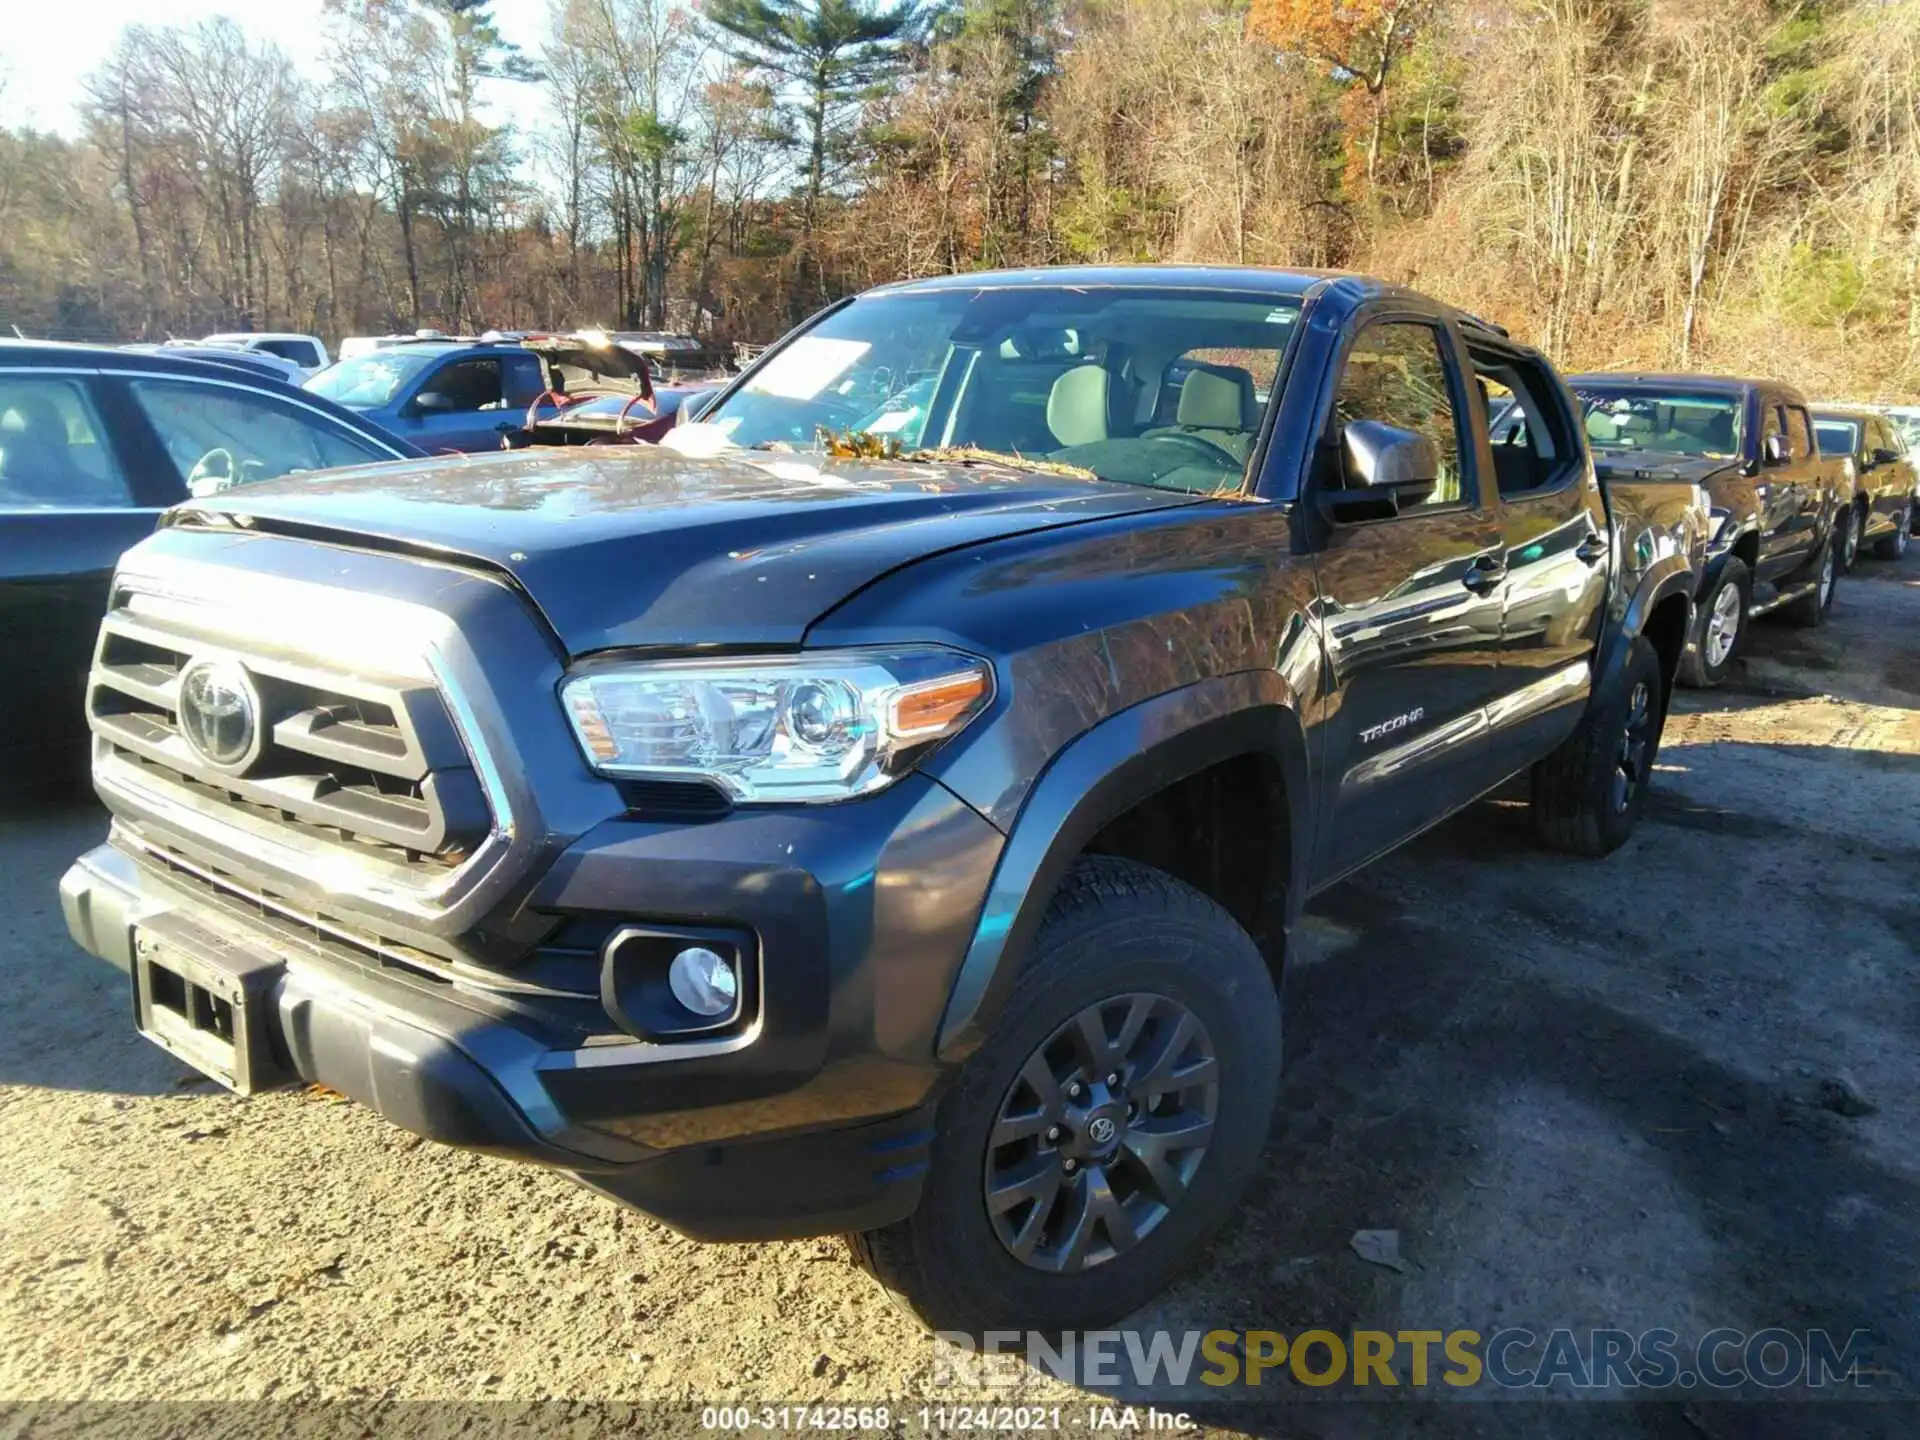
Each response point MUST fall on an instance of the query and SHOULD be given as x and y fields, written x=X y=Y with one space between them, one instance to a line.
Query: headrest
x=1077 y=408
x=1217 y=398
x=1601 y=427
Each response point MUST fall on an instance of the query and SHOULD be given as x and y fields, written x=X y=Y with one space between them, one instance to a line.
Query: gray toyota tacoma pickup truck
x=881 y=809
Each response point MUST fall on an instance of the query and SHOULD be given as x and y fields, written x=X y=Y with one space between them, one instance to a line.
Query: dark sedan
x=94 y=444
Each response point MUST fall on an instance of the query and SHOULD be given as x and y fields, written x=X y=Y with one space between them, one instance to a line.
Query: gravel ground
x=1584 y=1094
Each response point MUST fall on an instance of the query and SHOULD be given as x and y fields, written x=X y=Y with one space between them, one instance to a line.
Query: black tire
x=1704 y=663
x=1588 y=794
x=1811 y=609
x=1853 y=524
x=1893 y=544
x=1117 y=931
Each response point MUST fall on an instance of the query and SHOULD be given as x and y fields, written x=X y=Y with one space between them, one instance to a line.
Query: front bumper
x=815 y=1119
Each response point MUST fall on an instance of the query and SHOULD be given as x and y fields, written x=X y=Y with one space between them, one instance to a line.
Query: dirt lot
x=1584 y=1094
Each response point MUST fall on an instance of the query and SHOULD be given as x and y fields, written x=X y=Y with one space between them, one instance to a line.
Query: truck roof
x=1289 y=283
x=1679 y=379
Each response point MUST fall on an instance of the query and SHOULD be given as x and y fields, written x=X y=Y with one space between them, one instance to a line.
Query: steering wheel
x=1212 y=451
x=201 y=480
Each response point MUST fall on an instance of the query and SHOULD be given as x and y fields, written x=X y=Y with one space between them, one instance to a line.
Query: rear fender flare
x=1099 y=776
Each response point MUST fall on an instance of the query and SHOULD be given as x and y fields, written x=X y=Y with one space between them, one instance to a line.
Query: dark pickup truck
x=792 y=831
x=1780 y=513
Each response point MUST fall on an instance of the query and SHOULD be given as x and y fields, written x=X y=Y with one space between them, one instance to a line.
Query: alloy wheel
x=1849 y=541
x=1630 y=765
x=1101 y=1133
x=1723 y=624
x=1828 y=570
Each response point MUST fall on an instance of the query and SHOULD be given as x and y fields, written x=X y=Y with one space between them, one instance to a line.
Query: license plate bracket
x=210 y=1004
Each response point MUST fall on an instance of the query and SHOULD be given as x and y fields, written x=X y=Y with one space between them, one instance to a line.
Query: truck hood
x=1660 y=465
x=635 y=546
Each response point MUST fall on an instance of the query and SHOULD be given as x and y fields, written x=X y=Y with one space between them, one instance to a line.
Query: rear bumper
x=843 y=1148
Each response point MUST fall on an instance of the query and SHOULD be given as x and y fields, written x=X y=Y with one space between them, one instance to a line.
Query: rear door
x=1553 y=523
x=70 y=504
x=1780 y=488
x=1410 y=602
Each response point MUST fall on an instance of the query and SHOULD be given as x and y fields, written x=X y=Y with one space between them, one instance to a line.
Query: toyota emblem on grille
x=220 y=713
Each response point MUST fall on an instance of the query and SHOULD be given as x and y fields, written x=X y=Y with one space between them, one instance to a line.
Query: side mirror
x=1775 y=451
x=1383 y=467
x=1885 y=457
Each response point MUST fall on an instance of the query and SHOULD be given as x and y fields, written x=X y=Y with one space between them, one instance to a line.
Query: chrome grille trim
x=382 y=857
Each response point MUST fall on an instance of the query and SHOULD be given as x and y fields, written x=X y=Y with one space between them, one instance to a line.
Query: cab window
x=53 y=452
x=220 y=437
x=1397 y=373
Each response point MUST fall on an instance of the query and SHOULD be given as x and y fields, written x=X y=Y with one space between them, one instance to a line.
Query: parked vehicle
x=1880 y=474
x=256 y=362
x=791 y=837
x=304 y=351
x=1906 y=423
x=615 y=419
x=94 y=443
x=1779 y=506
x=477 y=394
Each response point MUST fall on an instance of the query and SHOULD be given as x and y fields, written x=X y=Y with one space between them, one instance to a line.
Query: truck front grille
x=342 y=766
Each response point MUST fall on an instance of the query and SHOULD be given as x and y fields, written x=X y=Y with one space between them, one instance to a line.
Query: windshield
x=1683 y=422
x=1836 y=437
x=1148 y=386
x=367 y=382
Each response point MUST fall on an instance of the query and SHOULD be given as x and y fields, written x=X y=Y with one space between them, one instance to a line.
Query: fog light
x=703 y=982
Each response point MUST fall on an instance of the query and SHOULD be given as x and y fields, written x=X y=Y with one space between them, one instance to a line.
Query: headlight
x=815 y=727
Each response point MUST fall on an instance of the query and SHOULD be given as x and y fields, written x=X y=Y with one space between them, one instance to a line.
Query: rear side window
x=220 y=436
x=54 y=453
x=1529 y=426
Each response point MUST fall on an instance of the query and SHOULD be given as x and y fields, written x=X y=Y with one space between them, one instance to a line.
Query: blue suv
x=476 y=394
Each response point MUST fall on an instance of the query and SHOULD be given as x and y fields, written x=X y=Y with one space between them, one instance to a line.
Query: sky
x=45 y=48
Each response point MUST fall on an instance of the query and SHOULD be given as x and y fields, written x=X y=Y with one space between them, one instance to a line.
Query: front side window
x=1138 y=384
x=1799 y=434
x=1773 y=426
x=1622 y=420
x=220 y=437
x=53 y=452
x=461 y=388
x=1396 y=374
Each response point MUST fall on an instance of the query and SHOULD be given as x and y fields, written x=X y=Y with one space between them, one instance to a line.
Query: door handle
x=1484 y=573
x=1593 y=549
x=505 y=427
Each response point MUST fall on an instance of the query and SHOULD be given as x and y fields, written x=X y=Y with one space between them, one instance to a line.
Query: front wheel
x=1588 y=794
x=1106 y=1128
x=1893 y=545
x=1723 y=625
x=1848 y=539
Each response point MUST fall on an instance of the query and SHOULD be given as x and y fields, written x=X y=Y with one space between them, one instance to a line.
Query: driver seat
x=1217 y=405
